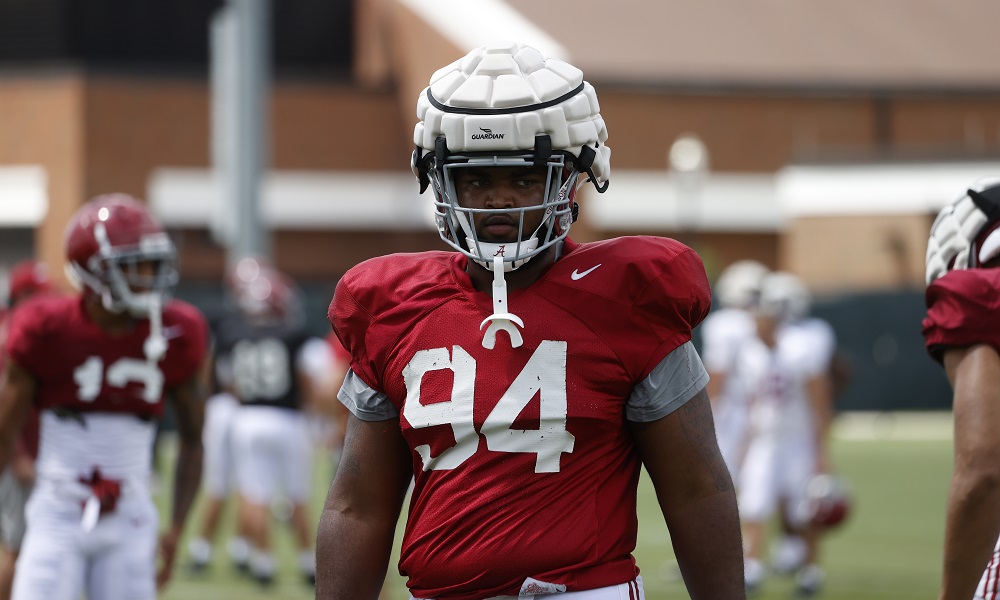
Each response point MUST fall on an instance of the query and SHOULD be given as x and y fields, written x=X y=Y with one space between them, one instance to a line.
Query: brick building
x=834 y=131
x=115 y=95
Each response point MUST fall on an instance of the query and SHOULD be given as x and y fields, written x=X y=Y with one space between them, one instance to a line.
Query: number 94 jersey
x=524 y=467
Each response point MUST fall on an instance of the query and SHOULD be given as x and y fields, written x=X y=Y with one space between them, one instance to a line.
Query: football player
x=267 y=358
x=27 y=280
x=724 y=332
x=219 y=484
x=99 y=365
x=785 y=369
x=524 y=379
x=962 y=331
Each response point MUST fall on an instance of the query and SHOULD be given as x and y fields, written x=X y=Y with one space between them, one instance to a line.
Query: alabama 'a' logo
x=500 y=250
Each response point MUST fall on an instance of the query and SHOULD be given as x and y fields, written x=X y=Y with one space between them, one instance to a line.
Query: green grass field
x=899 y=468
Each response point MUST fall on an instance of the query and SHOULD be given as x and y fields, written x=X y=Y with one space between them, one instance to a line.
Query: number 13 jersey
x=524 y=467
x=103 y=380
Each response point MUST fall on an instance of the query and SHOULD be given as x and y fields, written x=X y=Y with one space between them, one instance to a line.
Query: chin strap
x=155 y=345
x=499 y=250
x=501 y=319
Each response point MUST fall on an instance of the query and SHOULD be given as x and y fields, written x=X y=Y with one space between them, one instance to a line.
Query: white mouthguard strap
x=501 y=319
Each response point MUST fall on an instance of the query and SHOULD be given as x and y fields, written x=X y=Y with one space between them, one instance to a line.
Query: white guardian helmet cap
x=507 y=105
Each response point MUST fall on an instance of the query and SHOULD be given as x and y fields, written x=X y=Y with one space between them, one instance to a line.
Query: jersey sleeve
x=676 y=300
x=961 y=311
x=188 y=349
x=29 y=329
x=350 y=320
x=672 y=383
x=364 y=402
x=338 y=354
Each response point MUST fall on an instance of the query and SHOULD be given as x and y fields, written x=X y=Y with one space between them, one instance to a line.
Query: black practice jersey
x=257 y=360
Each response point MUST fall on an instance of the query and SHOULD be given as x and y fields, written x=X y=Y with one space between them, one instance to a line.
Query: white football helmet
x=738 y=285
x=784 y=296
x=507 y=105
x=964 y=234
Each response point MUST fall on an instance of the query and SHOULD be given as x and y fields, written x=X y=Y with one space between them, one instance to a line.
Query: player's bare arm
x=696 y=496
x=973 y=522
x=362 y=507
x=17 y=388
x=189 y=407
x=820 y=392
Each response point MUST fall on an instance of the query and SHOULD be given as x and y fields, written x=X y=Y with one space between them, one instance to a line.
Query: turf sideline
x=897 y=426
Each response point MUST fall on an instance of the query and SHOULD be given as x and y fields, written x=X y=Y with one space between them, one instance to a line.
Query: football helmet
x=784 y=296
x=738 y=285
x=964 y=234
x=507 y=105
x=261 y=292
x=829 y=501
x=107 y=242
x=27 y=279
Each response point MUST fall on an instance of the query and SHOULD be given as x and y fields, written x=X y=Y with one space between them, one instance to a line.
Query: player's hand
x=168 y=549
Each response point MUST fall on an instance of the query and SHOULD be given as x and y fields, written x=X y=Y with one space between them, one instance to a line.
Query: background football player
x=219 y=487
x=962 y=331
x=785 y=369
x=524 y=379
x=28 y=279
x=723 y=333
x=268 y=359
x=99 y=366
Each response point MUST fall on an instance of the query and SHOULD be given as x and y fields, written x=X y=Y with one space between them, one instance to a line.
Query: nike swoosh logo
x=576 y=275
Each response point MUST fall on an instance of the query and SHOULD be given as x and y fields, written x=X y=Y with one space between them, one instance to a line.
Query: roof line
x=703 y=86
x=469 y=25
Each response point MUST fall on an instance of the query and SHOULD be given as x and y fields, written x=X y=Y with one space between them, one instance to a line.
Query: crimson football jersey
x=80 y=367
x=27 y=438
x=962 y=310
x=524 y=466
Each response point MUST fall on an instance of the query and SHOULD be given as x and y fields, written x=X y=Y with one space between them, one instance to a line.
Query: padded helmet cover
x=500 y=97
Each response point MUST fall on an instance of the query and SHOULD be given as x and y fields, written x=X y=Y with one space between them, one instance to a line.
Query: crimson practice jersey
x=524 y=467
x=81 y=368
x=27 y=438
x=961 y=311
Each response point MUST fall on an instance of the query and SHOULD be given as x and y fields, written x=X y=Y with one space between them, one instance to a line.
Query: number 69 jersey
x=81 y=369
x=524 y=467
